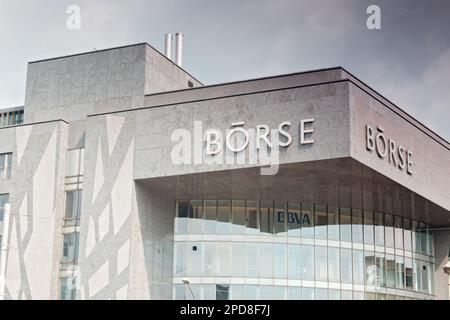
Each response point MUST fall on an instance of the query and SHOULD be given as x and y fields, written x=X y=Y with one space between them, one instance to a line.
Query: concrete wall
x=36 y=190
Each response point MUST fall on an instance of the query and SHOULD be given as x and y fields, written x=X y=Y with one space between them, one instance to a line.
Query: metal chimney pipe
x=179 y=47
x=168 y=48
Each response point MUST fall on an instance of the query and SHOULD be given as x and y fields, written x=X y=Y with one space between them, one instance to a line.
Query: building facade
x=130 y=179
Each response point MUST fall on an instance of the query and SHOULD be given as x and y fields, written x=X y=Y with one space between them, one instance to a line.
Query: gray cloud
x=408 y=60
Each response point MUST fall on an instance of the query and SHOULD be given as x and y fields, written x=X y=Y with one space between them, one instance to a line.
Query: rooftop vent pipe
x=168 y=48
x=179 y=48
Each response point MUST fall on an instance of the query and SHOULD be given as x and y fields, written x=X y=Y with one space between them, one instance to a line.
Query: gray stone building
x=124 y=177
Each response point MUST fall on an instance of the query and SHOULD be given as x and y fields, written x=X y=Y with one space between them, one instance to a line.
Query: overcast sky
x=408 y=60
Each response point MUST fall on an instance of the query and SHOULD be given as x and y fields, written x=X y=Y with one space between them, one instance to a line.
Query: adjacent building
x=124 y=177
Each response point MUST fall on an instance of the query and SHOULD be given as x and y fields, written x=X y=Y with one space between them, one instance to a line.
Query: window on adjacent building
x=4 y=199
x=68 y=288
x=73 y=208
x=5 y=165
x=70 y=248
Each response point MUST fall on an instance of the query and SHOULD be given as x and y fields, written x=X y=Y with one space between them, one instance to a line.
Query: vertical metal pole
x=4 y=250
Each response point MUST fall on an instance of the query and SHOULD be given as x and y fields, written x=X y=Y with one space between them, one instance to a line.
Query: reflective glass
x=307 y=293
x=223 y=216
x=345 y=226
x=390 y=271
x=294 y=261
x=180 y=258
x=266 y=293
x=333 y=264
x=238 y=257
x=368 y=227
x=251 y=260
x=209 y=258
x=280 y=260
x=194 y=254
x=321 y=294
x=279 y=293
x=70 y=248
x=237 y=292
x=423 y=238
x=294 y=293
x=389 y=230
x=399 y=272
x=293 y=219
x=346 y=295
x=371 y=268
x=266 y=260
x=266 y=217
x=346 y=265
x=223 y=260
x=252 y=217
x=379 y=228
x=381 y=270
x=183 y=211
x=358 y=267
x=320 y=221
x=357 y=225
x=407 y=237
x=195 y=225
x=238 y=217
x=251 y=292
x=409 y=277
x=210 y=212
x=334 y=294
x=307 y=262
x=307 y=221
x=398 y=222
x=333 y=223
x=280 y=228
x=222 y=292
x=321 y=263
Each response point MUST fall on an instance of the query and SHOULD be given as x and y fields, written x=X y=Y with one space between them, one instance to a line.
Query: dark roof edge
x=115 y=48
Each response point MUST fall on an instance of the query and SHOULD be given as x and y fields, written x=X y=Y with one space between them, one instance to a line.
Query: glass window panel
x=390 y=271
x=423 y=238
x=279 y=293
x=266 y=259
x=425 y=277
x=280 y=219
x=307 y=262
x=381 y=296
x=180 y=258
x=251 y=292
x=346 y=295
x=73 y=162
x=417 y=277
x=238 y=217
x=237 y=292
x=4 y=200
x=223 y=216
x=416 y=236
x=371 y=268
x=280 y=260
x=321 y=263
x=407 y=237
x=209 y=292
x=307 y=221
x=68 y=288
x=368 y=227
x=409 y=277
x=181 y=222
x=70 y=247
x=294 y=293
x=238 y=257
x=381 y=270
x=358 y=295
x=321 y=294
x=73 y=206
x=194 y=259
x=333 y=264
x=346 y=265
x=266 y=292
x=222 y=291
x=252 y=217
x=294 y=262
x=195 y=223
x=307 y=293
x=429 y=241
x=389 y=230
x=345 y=224
x=5 y=165
x=398 y=222
x=223 y=260
x=320 y=221
x=333 y=223
x=371 y=296
x=379 y=228
x=266 y=217
x=358 y=267
x=334 y=294
x=251 y=260
x=293 y=219
x=357 y=225
x=399 y=272
x=210 y=212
